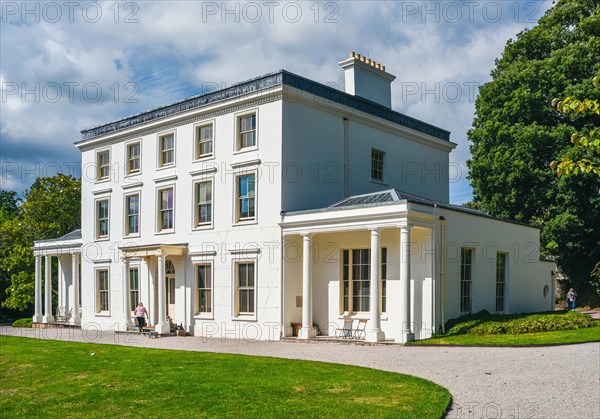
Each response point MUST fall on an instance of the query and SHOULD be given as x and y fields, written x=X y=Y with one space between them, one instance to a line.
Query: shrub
x=26 y=322
x=483 y=323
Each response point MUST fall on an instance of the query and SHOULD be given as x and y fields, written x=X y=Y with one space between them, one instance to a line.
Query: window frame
x=197 y=140
x=237 y=313
x=98 y=305
x=160 y=151
x=196 y=225
x=504 y=281
x=239 y=134
x=100 y=167
x=463 y=282
x=381 y=162
x=134 y=302
x=97 y=219
x=209 y=290
x=238 y=220
x=128 y=145
x=383 y=265
x=158 y=215
x=126 y=215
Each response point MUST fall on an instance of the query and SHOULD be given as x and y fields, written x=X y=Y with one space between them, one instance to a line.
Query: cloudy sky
x=65 y=66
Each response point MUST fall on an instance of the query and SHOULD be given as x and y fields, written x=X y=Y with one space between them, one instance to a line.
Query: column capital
x=306 y=234
x=375 y=230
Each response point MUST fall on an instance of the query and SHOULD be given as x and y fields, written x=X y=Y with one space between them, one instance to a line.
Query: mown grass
x=519 y=330
x=41 y=378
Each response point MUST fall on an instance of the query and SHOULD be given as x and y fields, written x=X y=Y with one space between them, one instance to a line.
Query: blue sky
x=66 y=66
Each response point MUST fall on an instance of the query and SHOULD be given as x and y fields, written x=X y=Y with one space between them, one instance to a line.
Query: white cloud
x=175 y=47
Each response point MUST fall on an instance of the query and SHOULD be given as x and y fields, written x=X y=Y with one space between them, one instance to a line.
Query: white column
x=48 y=318
x=374 y=333
x=405 y=334
x=75 y=279
x=306 y=331
x=60 y=281
x=126 y=295
x=37 y=316
x=162 y=326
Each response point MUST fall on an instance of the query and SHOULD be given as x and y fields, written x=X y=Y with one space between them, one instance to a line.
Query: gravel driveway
x=545 y=382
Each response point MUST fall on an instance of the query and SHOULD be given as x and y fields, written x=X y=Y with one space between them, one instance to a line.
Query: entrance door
x=170 y=284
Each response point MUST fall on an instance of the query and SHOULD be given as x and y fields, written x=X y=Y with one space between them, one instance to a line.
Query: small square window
x=204 y=141
x=166 y=145
x=377 y=162
x=247 y=131
x=134 y=158
x=103 y=165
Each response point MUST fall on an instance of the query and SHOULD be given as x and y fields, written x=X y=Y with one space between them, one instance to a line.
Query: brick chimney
x=368 y=79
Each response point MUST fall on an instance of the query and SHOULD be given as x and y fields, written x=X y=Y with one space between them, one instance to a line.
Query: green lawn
x=41 y=378
x=560 y=337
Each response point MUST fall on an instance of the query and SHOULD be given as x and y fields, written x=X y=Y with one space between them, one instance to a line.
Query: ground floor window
x=356 y=280
x=103 y=295
x=501 y=282
x=134 y=288
x=245 y=287
x=466 y=274
x=204 y=290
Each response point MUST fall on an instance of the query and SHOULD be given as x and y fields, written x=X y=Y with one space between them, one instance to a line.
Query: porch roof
x=68 y=243
x=158 y=249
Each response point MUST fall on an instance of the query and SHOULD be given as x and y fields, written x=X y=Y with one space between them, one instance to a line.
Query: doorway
x=170 y=284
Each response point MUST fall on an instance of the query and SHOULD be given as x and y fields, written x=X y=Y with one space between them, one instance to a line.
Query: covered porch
x=67 y=252
x=150 y=273
x=332 y=255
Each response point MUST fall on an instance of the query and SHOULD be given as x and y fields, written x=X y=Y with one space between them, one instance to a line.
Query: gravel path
x=545 y=382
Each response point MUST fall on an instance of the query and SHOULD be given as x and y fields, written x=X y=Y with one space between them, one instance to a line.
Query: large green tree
x=516 y=134
x=51 y=208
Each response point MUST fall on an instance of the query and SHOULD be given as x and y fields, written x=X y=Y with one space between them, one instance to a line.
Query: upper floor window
x=377 y=161
x=246 y=197
x=103 y=164
x=133 y=158
x=203 y=213
x=102 y=219
x=132 y=207
x=165 y=213
x=204 y=141
x=247 y=131
x=166 y=145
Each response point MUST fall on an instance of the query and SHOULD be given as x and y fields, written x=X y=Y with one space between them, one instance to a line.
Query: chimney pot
x=362 y=58
x=352 y=54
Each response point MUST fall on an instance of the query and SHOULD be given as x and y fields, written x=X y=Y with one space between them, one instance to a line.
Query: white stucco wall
x=222 y=237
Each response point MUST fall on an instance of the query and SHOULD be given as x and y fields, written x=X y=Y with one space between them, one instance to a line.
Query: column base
x=404 y=337
x=307 y=333
x=37 y=318
x=374 y=336
x=48 y=319
x=163 y=328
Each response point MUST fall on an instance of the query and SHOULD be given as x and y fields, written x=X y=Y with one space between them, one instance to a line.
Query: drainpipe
x=282 y=285
x=442 y=280
x=346 y=157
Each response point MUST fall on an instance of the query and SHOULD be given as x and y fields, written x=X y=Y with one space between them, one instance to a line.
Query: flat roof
x=280 y=78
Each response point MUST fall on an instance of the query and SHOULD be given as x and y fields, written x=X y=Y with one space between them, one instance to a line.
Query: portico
x=154 y=266
x=337 y=253
x=67 y=252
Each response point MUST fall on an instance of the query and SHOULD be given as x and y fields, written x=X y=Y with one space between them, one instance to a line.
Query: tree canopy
x=50 y=209
x=517 y=133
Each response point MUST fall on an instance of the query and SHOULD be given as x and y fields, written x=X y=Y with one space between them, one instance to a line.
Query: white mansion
x=279 y=206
